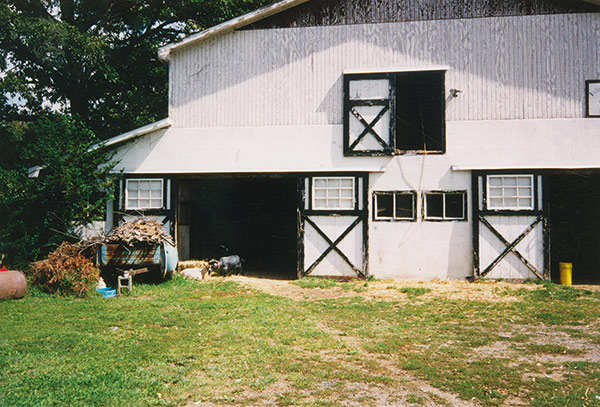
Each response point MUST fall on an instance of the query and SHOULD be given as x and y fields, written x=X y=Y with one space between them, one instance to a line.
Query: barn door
x=332 y=225
x=510 y=227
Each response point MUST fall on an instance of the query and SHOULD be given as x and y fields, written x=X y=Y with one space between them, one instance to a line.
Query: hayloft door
x=332 y=225
x=510 y=227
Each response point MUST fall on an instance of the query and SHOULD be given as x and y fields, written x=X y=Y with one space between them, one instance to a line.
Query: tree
x=96 y=58
x=73 y=72
x=39 y=213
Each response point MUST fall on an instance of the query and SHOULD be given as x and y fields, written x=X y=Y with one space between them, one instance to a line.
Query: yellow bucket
x=566 y=273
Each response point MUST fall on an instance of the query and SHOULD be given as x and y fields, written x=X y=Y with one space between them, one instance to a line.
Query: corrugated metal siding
x=507 y=67
x=333 y=12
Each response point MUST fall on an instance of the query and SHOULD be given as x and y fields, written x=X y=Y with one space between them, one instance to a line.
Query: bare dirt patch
x=390 y=290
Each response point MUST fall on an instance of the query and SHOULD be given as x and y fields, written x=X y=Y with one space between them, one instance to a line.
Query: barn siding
x=336 y=12
x=508 y=68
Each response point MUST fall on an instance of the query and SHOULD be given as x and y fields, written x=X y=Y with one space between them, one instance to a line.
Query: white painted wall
x=420 y=250
x=508 y=68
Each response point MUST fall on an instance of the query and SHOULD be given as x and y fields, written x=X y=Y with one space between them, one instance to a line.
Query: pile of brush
x=140 y=230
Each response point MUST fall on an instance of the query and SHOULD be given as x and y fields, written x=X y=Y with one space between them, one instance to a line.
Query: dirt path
x=390 y=290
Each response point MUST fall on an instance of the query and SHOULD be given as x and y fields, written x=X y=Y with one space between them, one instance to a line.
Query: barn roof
x=252 y=19
x=233 y=24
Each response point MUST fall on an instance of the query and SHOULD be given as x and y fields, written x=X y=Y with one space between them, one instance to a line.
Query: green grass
x=183 y=342
x=316 y=282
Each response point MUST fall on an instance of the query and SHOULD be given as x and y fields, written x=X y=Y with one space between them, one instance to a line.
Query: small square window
x=510 y=192
x=333 y=193
x=394 y=205
x=443 y=205
x=143 y=194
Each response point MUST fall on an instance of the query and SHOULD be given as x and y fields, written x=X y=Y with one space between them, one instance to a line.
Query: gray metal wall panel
x=508 y=68
x=335 y=12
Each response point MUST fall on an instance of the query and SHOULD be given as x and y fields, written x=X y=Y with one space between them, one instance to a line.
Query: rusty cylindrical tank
x=12 y=284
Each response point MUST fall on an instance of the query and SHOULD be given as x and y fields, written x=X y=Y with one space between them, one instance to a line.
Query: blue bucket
x=107 y=292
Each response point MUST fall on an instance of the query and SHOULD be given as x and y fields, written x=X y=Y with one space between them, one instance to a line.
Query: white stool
x=124 y=278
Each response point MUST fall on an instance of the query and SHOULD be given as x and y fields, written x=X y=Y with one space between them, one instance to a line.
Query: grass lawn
x=219 y=343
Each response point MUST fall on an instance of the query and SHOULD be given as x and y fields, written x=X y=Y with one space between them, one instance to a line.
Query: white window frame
x=443 y=194
x=412 y=194
x=127 y=198
x=516 y=207
x=314 y=198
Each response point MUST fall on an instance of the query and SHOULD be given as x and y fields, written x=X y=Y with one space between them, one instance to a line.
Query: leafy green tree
x=75 y=183
x=96 y=58
x=73 y=72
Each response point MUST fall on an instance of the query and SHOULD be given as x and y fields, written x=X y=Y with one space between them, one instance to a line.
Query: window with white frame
x=333 y=193
x=445 y=205
x=398 y=205
x=144 y=193
x=510 y=192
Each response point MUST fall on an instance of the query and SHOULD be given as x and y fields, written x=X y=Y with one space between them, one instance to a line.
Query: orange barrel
x=12 y=284
x=566 y=273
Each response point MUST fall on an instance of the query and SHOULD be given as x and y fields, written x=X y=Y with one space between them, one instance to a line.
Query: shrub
x=65 y=272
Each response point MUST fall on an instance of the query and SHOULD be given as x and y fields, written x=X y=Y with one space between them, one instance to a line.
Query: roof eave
x=230 y=25
x=161 y=124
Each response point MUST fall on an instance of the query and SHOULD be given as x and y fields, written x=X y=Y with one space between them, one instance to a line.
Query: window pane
x=510 y=202
x=525 y=203
x=333 y=193
x=347 y=193
x=144 y=203
x=132 y=203
x=404 y=206
x=495 y=192
x=333 y=203
x=320 y=183
x=495 y=203
x=510 y=191
x=333 y=183
x=434 y=205
x=132 y=185
x=495 y=181
x=144 y=193
x=347 y=183
x=156 y=185
x=524 y=181
x=320 y=203
x=155 y=203
x=510 y=181
x=525 y=192
x=346 y=204
x=455 y=205
x=384 y=205
x=320 y=193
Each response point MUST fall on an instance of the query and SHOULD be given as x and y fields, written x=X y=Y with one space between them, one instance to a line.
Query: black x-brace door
x=510 y=243
x=332 y=242
x=369 y=117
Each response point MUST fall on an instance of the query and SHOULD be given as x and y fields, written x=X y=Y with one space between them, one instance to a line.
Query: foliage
x=66 y=271
x=96 y=59
x=37 y=213
x=73 y=72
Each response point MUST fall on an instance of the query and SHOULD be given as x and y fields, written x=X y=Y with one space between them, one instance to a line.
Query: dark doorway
x=252 y=217
x=574 y=214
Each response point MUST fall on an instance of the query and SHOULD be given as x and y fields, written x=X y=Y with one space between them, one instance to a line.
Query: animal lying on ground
x=195 y=273
x=227 y=265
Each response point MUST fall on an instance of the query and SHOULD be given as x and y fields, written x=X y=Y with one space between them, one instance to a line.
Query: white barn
x=396 y=139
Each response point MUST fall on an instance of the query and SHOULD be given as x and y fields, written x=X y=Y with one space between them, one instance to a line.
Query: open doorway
x=253 y=217
x=574 y=214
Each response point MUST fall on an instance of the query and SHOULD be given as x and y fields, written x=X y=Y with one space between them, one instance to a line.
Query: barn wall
x=335 y=12
x=507 y=67
x=423 y=249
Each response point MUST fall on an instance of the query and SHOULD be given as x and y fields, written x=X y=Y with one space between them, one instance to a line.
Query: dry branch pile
x=141 y=230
